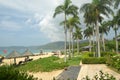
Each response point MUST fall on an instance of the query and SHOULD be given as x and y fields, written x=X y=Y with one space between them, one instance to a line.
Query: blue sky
x=30 y=22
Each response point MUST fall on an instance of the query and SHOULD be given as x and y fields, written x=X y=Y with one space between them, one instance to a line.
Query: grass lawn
x=48 y=64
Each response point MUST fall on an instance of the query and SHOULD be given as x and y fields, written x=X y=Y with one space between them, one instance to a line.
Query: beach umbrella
x=14 y=54
x=27 y=53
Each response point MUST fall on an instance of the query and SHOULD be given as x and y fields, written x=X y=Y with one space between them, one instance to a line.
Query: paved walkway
x=71 y=73
x=92 y=69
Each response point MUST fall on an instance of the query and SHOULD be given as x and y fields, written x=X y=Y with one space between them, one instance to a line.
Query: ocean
x=5 y=52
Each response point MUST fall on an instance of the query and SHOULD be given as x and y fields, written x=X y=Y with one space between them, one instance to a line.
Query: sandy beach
x=46 y=75
x=11 y=61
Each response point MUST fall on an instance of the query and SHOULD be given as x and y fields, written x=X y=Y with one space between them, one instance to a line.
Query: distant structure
x=118 y=38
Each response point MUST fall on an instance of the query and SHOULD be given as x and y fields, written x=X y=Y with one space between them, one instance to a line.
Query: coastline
x=36 y=56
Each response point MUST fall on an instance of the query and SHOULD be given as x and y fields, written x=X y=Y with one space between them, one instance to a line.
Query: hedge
x=94 y=60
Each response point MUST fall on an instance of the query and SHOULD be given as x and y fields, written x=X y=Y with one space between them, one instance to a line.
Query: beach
x=39 y=75
x=37 y=56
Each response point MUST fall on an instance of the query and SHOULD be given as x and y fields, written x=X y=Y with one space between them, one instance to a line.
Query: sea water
x=5 y=52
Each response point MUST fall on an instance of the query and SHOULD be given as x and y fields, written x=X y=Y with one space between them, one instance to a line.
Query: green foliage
x=94 y=60
x=88 y=58
x=103 y=54
x=74 y=61
x=110 y=45
x=114 y=61
x=10 y=73
x=101 y=76
x=88 y=54
x=44 y=64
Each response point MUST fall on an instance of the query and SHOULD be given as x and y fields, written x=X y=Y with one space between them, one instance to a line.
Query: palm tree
x=92 y=14
x=77 y=35
x=115 y=25
x=66 y=8
x=88 y=34
x=117 y=3
x=104 y=28
x=72 y=23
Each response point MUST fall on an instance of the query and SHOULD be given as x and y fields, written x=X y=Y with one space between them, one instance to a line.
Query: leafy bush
x=87 y=54
x=94 y=60
x=103 y=54
x=10 y=73
x=110 y=45
x=114 y=61
x=101 y=76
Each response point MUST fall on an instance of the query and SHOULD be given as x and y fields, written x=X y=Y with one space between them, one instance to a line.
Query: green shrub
x=103 y=54
x=94 y=60
x=101 y=76
x=113 y=61
x=87 y=54
x=10 y=73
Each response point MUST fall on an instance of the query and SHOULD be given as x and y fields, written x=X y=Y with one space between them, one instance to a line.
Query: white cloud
x=10 y=25
x=41 y=12
x=52 y=31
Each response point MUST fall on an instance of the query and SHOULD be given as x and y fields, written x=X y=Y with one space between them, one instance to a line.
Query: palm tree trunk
x=98 y=40
x=72 y=45
x=103 y=42
x=116 y=41
x=65 y=46
x=77 y=45
x=93 y=42
x=69 y=44
x=90 y=43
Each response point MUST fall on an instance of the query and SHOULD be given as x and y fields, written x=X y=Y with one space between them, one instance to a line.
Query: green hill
x=54 y=45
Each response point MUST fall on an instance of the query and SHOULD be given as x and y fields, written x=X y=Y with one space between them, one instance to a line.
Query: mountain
x=50 y=46
x=54 y=45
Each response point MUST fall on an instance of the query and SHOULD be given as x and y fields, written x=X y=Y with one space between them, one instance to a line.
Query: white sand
x=11 y=61
x=47 y=75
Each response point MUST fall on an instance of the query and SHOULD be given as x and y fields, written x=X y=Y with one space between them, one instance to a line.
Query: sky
x=31 y=22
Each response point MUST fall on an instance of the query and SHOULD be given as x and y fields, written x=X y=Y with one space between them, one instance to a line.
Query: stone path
x=92 y=69
x=71 y=73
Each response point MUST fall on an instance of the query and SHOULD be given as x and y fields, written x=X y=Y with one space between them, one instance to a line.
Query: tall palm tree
x=72 y=23
x=92 y=14
x=115 y=23
x=88 y=34
x=77 y=35
x=66 y=8
x=104 y=29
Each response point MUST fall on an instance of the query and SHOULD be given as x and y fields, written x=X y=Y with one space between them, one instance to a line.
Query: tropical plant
x=10 y=73
x=101 y=76
x=72 y=23
x=66 y=8
x=117 y=3
x=88 y=34
x=77 y=35
x=104 y=29
x=114 y=23
x=92 y=14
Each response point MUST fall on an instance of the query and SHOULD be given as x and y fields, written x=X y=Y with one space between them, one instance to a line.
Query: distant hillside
x=56 y=45
x=53 y=45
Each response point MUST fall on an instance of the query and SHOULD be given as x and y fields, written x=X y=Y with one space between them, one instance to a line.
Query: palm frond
x=58 y=10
